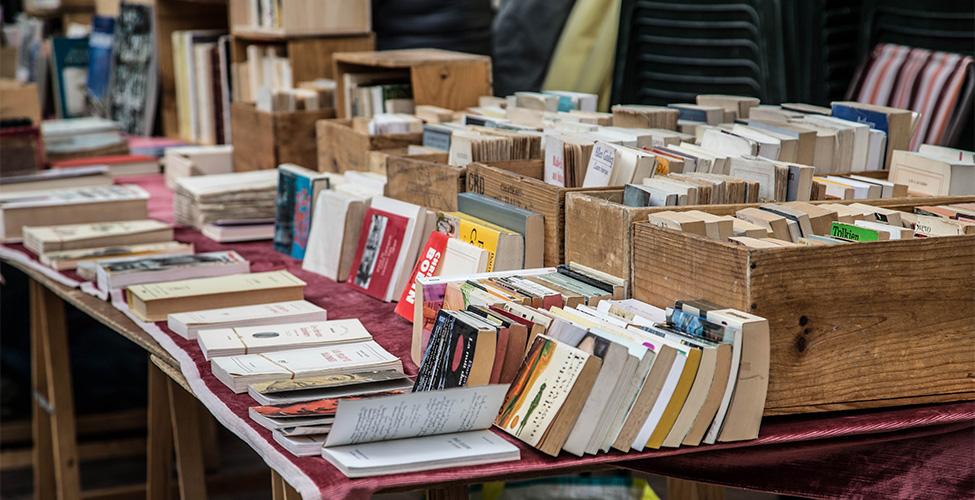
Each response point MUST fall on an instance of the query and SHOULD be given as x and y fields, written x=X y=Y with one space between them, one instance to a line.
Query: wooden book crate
x=520 y=183
x=345 y=144
x=597 y=224
x=853 y=326
x=425 y=180
x=310 y=57
x=305 y=18
x=452 y=80
x=265 y=140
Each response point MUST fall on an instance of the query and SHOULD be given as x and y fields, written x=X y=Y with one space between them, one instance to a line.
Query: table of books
x=902 y=452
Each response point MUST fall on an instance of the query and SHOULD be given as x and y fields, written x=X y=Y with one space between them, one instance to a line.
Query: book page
x=416 y=414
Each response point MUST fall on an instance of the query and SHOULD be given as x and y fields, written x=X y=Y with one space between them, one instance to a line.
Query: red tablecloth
x=910 y=452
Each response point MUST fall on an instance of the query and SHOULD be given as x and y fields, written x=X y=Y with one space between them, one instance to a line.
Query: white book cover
x=462 y=259
x=189 y=323
x=72 y=196
x=239 y=371
x=422 y=453
x=416 y=414
x=728 y=144
x=758 y=170
x=768 y=146
x=326 y=239
x=862 y=190
x=266 y=338
x=601 y=164
x=554 y=150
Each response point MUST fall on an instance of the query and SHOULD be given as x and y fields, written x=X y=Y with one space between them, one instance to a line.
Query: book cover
x=305 y=190
x=380 y=242
x=541 y=388
x=875 y=119
x=284 y=204
x=480 y=236
x=428 y=265
x=853 y=233
x=100 y=61
x=327 y=381
x=69 y=63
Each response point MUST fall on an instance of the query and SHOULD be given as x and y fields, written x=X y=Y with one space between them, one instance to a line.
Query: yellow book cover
x=480 y=234
x=677 y=400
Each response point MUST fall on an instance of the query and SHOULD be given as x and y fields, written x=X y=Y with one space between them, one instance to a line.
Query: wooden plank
x=186 y=438
x=159 y=445
x=97 y=450
x=124 y=492
x=54 y=338
x=669 y=265
x=294 y=137
x=680 y=489
x=431 y=184
x=277 y=486
x=846 y=320
x=311 y=58
x=265 y=140
x=43 y=453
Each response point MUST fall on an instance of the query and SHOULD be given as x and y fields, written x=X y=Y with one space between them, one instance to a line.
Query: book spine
x=284 y=211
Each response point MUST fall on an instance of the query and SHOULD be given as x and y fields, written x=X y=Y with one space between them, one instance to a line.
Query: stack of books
x=95 y=203
x=934 y=171
x=368 y=94
x=71 y=138
x=233 y=200
x=78 y=246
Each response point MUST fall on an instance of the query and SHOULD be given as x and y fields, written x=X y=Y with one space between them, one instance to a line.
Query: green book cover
x=853 y=233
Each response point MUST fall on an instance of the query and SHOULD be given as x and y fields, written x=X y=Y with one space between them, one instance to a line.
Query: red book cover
x=427 y=265
x=380 y=243
x=104 y=160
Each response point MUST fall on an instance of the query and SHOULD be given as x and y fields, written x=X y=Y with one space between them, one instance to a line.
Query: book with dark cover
x=452 y=360
x=284 y=211
x=69 y=65
x=380 y=242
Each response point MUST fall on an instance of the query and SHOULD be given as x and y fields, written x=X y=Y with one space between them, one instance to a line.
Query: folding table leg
x=277 y=486
x=47 y=311
x=43 y=454
x=159 y=442
x=680 y=489
x=186 y=437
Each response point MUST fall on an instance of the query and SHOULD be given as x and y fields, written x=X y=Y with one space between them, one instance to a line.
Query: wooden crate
x=310 y=57
x=597 y=225
x=425 y=180
x=854 y=326
x=306 y=18
x=265 y=140
x=345 y=144
x=519 y=183
x=452 y=80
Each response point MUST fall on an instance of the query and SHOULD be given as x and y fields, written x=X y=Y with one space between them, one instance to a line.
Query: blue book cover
x=69 y=62
x=437 y=137
x=875 y=119
x=100 y=57
x=284 y=211
x=693 y=115
x=306 y=192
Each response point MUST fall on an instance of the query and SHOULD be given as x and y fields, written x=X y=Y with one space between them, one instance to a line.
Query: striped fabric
x=929 y=83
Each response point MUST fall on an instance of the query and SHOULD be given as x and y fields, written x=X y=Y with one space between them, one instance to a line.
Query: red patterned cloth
x=909 y=452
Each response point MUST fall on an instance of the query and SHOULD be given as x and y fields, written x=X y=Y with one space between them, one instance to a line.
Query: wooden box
x=452 y=80
x=853 y=326
x=345 y=144
x=265 y=140
x=524 y=188
x=426 y=180
x=305 y=18
x=310 y=57
x=19 y=100
x=597 y=225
